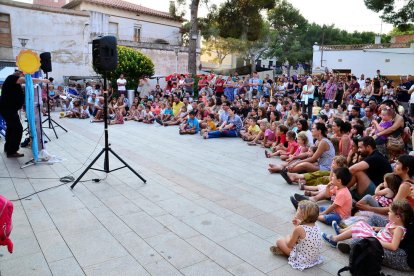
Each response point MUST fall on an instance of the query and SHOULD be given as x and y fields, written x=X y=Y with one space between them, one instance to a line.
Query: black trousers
x=14 y=131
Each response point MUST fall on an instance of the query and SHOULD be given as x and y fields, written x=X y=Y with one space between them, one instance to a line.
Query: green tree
x=398 y=15
x=220 y=47
x=193 y=32
x=133 y=64
x=288 y=29
x=243 y=20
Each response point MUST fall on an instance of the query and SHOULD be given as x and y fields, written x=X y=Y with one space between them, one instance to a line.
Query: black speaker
x=46 y=62
x=105 y=53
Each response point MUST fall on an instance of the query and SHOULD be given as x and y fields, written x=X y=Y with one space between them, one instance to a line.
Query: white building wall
x=64 y=35
x=391 y=61
x=151 y=26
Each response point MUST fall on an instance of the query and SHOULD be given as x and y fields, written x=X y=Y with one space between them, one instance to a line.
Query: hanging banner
x=29 y=62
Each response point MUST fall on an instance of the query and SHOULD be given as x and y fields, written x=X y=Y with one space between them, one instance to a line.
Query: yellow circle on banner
x=28 y=61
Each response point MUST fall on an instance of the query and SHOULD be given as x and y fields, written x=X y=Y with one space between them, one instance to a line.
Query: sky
x=349 y=15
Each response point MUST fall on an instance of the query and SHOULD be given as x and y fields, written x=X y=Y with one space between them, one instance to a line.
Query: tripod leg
x=129 y=167
x=53 y=127
x=59 y=125
x=47 y=137
x=87 y=169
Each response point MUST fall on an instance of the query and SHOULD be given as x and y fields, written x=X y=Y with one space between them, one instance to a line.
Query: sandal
x=329 y=240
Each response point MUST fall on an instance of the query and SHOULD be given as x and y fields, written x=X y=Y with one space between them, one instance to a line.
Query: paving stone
x=214 y=227
x=177 y=227
x=175 y=250
x=215 y=252
x=182 y=207
x=66 y=267
x=254 y=251
x=288 y=270
x=162 y=267
x=144 y=225
x=30 y=264
x=118 y=266
x=206 y=267
x=94 y=247
x=139 y=248
x=53 y=246
x=246 y=269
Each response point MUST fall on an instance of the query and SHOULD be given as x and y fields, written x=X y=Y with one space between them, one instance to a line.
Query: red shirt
x=292 y=147
x=219 y=89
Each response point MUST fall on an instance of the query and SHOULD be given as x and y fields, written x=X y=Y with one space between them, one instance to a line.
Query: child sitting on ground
x=85 y=112
x=210 y=124
x=291 y=148
x=303 y=246
x=259 y=136
x=400 y=216
x=300 y=153
x=149 y=117
x=270 y=135
x=342 y=205
x=191 y=126
x=179 y=119
x=281 y=142
x=252 y=130
x=384 y=193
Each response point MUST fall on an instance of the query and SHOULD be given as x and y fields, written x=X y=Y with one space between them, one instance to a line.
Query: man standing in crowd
x=361 y=81
x=188 y=85
x=11 y=101
x=254 y=85
x=402 y=92
x=369 y=173
x=121 y=82
x=219 y=91
x=353 y=88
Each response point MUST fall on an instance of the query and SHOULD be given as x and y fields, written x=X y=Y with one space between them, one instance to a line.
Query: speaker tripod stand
x=51 y=123
x=106 y=150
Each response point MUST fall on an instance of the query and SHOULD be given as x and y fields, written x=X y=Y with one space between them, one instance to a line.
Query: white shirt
x=412 y=94
x=361 y=84
x=121 y=84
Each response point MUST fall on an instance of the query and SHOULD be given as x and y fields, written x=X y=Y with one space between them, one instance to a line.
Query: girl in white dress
x=304 y=245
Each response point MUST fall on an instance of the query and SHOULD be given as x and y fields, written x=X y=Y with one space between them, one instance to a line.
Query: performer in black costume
x=11 y=101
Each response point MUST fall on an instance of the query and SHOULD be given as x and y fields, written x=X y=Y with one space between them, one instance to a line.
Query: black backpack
x=365 y=258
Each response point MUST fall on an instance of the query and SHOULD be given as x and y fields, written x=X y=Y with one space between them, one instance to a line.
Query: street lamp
x=23 y=41
x=176 y=51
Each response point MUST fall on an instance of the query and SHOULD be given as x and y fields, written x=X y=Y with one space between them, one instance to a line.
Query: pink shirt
x=343 y=199
x=270 y=135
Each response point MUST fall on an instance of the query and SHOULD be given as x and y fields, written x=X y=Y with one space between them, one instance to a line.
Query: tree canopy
x=394 y=12
x=133 y=64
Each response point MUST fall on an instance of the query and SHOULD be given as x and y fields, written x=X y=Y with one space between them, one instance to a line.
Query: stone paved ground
x=209 y=208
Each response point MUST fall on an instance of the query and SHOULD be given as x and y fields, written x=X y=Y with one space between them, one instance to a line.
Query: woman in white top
x=307 y=97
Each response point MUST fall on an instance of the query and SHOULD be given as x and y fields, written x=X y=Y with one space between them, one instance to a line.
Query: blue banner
x=29 y=91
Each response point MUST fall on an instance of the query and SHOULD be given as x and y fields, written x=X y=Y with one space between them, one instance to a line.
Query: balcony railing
x=364 y=46
x=155 y=40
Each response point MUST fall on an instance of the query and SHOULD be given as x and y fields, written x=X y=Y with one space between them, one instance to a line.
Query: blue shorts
x=329 y=218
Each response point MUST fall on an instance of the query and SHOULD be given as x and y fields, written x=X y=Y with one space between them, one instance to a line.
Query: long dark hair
x=322 y=128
